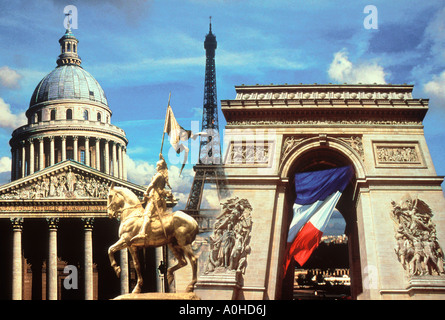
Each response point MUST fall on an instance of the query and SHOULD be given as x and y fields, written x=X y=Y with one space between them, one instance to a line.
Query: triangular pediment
x=67 y=180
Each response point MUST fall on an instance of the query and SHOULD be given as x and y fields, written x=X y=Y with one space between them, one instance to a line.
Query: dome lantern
x=68 y=48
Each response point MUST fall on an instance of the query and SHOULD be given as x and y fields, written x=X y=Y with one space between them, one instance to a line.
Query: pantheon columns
x=103 y=154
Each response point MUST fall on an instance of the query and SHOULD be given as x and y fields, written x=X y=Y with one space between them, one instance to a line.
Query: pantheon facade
x=53 y=220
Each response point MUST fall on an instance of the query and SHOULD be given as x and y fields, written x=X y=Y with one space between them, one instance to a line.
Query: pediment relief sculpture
x=67 y=184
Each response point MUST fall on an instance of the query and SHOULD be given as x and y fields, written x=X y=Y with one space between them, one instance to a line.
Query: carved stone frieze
x=397 y=154
x=65 y=185
x=355 y=142
x=311 y=121
x=325 y=93
x=249 y=153
x=417 y=247
x=288 y=144
x=230 y=241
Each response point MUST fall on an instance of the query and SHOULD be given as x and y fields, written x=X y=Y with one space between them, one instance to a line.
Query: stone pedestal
x=426 y=283
x=157 y=296
x=218 y=286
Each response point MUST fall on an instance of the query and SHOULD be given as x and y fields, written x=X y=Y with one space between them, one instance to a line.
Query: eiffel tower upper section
x=210 y=146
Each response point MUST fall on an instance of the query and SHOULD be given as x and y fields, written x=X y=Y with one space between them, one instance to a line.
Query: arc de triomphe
x=394 y=209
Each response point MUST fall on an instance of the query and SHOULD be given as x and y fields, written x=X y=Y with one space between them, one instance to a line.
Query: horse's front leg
x=137 y=267
x=119 y=245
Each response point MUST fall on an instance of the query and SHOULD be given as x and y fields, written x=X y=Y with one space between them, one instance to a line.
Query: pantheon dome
x=68 y=118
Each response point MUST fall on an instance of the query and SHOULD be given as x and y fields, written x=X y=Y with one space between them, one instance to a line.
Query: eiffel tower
x=209 y=169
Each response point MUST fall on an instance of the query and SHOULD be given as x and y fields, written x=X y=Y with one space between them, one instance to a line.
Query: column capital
x=30 y=140
x=75 y=138
x=51 y=138
x=88 y=223
x=87 y=138
x=52 y=223
x=22 y=143
x=63 y=138
x=17 y=223
x=40 y=138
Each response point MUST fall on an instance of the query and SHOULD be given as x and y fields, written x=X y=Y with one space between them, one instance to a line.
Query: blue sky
x=139 y=51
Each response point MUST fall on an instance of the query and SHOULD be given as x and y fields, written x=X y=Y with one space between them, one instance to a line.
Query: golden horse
x=177 y=230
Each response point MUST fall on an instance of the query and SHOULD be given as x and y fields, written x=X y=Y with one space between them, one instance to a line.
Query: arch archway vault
x=274 y=131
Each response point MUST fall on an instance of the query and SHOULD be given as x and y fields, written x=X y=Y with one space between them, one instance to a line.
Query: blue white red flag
x=317 y=195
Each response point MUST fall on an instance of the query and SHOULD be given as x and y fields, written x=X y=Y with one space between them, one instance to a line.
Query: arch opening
x=330 y=259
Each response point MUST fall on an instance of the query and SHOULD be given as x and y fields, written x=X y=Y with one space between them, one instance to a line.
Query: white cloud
x=436 y=86
x=343 y=70
x=435 y=34
x=9 y=78
x=5 y=164
x=141 y=172
x=9 y=119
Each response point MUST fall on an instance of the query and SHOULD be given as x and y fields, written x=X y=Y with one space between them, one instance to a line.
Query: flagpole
x=164 y=247
x=166 y=114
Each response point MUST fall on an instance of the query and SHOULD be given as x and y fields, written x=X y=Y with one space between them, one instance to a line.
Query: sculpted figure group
x=229 y=244
x=417 y=247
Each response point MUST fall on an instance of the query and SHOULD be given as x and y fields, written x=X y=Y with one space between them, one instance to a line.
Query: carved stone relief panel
x=355 y=142
x=291 y=142
x=250 y=152
x=417 y=247
x=288 y=144
x=397 y=154
x=66 y=185
x=230 y=241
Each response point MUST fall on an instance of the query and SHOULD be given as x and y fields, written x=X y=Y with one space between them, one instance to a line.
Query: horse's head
x=119 y=199
x=115 y=202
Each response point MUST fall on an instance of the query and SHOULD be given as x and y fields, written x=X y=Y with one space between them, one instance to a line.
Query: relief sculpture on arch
x=417 y=247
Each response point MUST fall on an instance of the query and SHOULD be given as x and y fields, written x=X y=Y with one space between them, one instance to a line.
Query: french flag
x=317 y=195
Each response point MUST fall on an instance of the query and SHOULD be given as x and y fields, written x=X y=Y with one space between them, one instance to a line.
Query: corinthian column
x=63 y=147
x=23 y=144
x=107 y=156
x=31 y=156
x=98 y=154
x=87 y=151
x=52 y=158
x=121 y=175
x=52 y=259
x=89 y=286
x=41 y=153
x=125 y=280
x=75 y=140
x=115 y=169
x=17 y=264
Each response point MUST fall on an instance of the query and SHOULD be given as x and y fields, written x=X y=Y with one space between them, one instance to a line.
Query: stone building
x=394 y=207
x=63 y=161
x=68 y=118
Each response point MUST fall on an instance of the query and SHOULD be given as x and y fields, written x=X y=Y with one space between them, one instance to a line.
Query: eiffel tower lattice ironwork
x=209 y=169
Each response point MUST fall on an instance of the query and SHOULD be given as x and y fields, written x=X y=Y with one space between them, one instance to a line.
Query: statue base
x=427 y=283
x=219 y=286
x=158 y=296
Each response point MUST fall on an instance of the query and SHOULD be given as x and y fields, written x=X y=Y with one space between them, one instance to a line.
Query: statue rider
x=155 y=197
